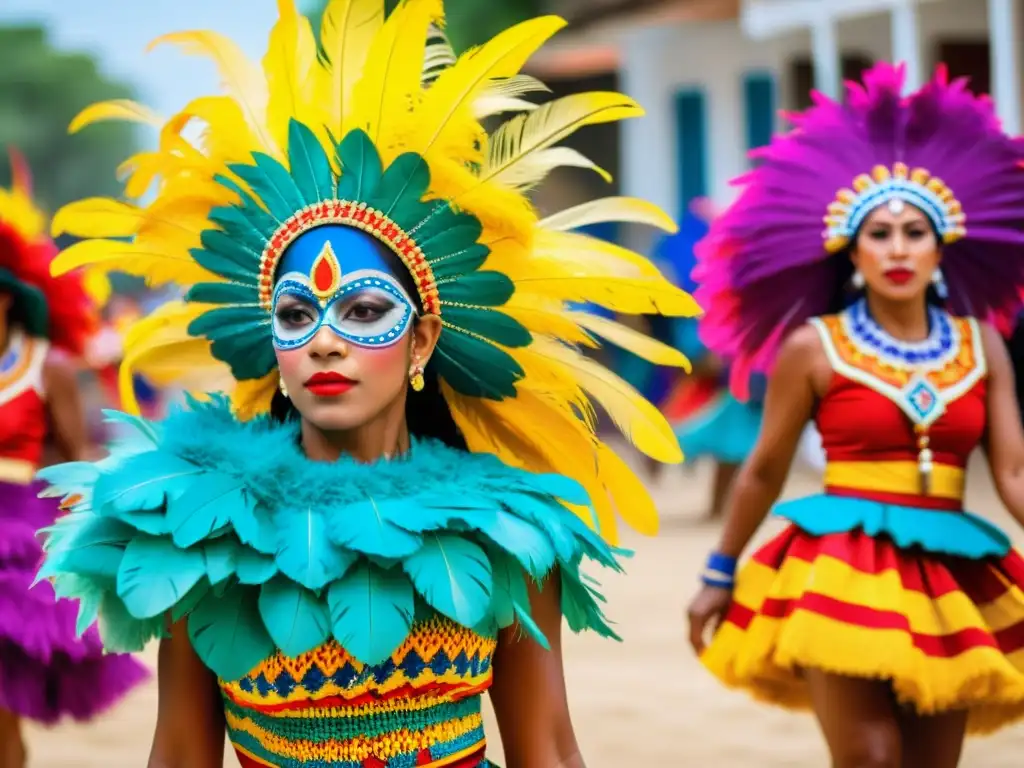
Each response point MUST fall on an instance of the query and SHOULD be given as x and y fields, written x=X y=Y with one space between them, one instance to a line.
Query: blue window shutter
x=759 y=103
x=691 y=146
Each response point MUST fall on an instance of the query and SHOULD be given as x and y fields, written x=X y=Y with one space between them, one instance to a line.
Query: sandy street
x=645 y=702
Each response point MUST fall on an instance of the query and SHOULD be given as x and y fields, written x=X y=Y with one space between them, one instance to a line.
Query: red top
x=23 y=416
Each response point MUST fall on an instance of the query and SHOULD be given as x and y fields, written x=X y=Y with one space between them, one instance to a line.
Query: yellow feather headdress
x=293 y=145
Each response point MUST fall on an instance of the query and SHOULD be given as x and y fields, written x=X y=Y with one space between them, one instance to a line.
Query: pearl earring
x=857 y=281
x=939 y=282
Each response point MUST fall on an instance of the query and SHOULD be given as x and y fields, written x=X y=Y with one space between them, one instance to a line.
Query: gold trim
x=895 y=477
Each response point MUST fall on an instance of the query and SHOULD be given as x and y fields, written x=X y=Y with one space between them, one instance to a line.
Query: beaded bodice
x=420 y=707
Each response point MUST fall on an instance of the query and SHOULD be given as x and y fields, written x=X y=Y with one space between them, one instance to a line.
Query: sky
x=117 y=32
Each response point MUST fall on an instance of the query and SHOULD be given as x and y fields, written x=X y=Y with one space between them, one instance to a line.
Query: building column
x=1002 y=30
x=906 y=41
x=647 y=143
x=825 y=53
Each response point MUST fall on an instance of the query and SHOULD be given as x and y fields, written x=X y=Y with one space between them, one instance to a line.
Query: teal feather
x=542 y=512
x=64 y=479
x=282 y=180
x=453 y=575
x=221 y=558
x=309 y=165
x=122 y=632
x=361 y=169
x=493 y=325
x=509 y=587
x=526 y=622
x=138 y=424
x=186 y=605
x=401 y=187
x=371 y=611
x=255 y=528
x=297 y=620
x=155 y=574
x=304 y=551
x=248 y=208
x=243 y=253
x=253 y=568
x=224 y=293
x=93 y=548
x=142 y=483
x=493 y=373
x=90 y=595
x=529 y=544
x=448 y=230
x=235 y=225
x=482 y=289
x=373 y=528
x=452 y=264
x=580 y=606
x=215 y=262
x=561 y=487
x=431 y=512
x=227 y=633
x=210 y=503
x=240 y=337
x=280 y=202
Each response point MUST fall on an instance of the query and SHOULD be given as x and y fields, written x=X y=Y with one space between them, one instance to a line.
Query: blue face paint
x=335 y=276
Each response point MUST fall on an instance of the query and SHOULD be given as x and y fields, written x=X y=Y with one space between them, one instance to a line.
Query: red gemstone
x=323 y=275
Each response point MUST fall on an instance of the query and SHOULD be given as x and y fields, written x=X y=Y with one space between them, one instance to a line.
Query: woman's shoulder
x=229 y=524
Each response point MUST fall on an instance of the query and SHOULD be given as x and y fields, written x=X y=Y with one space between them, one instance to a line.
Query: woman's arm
x=190 y=715
x=528 y=692
x=1004 y=435
x=67 y=417
x=800 y=375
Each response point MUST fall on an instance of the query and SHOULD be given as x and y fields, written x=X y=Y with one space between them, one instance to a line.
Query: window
x=759 y=108
x=691 y=146
x=801 y=77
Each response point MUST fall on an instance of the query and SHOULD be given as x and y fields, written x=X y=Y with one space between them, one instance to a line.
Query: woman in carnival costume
x=884 y=606
x=46 y=671
x=708 y=420
x=388 y=518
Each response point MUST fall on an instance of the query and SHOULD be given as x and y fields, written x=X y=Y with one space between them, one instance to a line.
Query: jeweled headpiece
x=56 y=308
x=380 y=131
x=768 y=265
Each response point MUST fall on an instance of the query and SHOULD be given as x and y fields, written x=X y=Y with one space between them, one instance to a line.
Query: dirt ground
x=644 y=702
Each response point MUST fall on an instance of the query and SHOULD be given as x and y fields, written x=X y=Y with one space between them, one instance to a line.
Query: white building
x=713 y=75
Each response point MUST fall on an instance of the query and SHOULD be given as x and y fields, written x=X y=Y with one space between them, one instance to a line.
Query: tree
x=41 y=90
x=469 y=22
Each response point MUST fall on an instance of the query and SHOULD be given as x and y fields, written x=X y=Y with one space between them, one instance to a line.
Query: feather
x=347 y=28
x=366 y=527
x=579 y=603
x=221 y=555
x=490 y=324
x=453 y=575
x=640 y=344
x=187 y=604
x=94 y=550
x=155 y=574
x=438 y=56
x=252 y=567
x=627 y=492
x=209 y=504
x=288 y=68
x=371 y=611
x=509 y=587
x=241 y=77
x=487 y=106
x=361 y=168
x=142 y=483
x=386 y=92
x=620 y=209
x=494 y=371
x=309 y=164
x=114 y=109
x=295 y=618
x=305 y=554
x=96 y=217
x=531 y=547
x=449 y=100
x=534 y=168
x=542 y=315
x=124 y=633
x=516 y=140
x=158 y=266
x=636 y=418
x=631 y=296
x=228 y=634
x=253 y=396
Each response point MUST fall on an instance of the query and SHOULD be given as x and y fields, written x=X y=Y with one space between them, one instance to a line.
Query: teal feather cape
x=229 y=525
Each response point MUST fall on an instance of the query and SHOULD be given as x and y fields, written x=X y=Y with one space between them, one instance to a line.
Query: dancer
x=381 y=524
x=708 y=420
x=46 y=671
x=897 y=616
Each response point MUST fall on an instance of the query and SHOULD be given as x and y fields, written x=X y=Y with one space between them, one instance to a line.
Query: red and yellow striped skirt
x=947 y=632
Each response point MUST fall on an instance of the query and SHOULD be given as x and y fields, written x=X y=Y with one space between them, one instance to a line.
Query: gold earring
x=416 y=379
x=284 y=389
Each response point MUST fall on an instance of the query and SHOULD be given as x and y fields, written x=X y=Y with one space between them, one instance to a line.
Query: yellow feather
x=389 y=89
x=449 y=101
x=639 y=344
x=486 y=106
x=636 y=418
x=252 y=397
x=540 y=314
x=520 y=137
x=627 y=492
x=115 y=109
x=627 y=209
x=156 y=266
x=242 y=78
x=631 y=296
x=534 y=168
x=346 y=31
x=97 y=284
x=227 y=137
x=288 y=67
x=97 y=217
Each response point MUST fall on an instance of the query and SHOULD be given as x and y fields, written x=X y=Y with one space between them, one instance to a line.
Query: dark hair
x=426 y=412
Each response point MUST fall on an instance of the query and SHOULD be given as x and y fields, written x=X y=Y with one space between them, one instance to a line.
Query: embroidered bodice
x=23 y=420
x=888 y=403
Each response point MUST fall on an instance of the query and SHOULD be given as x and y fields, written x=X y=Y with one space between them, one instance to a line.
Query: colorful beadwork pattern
x=921 y=391
x=324 y=708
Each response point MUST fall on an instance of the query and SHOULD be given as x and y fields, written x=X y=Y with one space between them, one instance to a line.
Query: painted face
x=897 y=251
x=335 y=276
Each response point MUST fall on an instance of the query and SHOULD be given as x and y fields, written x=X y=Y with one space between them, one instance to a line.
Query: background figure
x=46 y=671
x=708 y=420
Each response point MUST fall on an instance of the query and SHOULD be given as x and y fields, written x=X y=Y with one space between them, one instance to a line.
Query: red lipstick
x=899 y=275
x=329 y=384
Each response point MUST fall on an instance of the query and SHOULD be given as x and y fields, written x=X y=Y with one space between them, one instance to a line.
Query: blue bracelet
x=720 y=571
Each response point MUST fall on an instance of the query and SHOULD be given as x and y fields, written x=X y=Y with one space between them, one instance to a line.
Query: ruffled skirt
x=724 y=429
x=46 y=671
x=946 y=631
